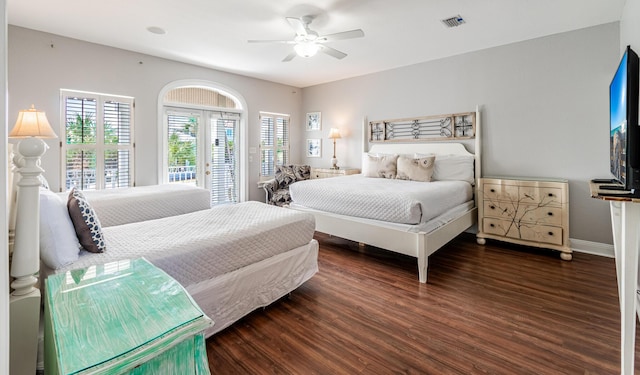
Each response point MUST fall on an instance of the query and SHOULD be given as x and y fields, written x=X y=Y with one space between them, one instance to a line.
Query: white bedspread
x=204 y=244
x=141 y=203
x=390 y=200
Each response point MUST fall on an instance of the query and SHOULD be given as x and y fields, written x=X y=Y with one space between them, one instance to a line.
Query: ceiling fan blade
x=289 y=57
x=272 y=41
x=343 y=35
x=332 y=52
x=298 y=26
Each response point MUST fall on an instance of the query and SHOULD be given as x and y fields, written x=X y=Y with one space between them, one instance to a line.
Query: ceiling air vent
x=453 y=21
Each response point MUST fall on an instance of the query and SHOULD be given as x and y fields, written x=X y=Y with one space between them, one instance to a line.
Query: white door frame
x=241 y=107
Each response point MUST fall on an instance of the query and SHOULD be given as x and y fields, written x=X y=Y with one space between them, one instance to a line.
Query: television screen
x=618 y=121
x=624 y=130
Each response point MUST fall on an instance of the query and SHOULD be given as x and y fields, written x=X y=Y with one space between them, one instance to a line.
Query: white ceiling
x=214 y=33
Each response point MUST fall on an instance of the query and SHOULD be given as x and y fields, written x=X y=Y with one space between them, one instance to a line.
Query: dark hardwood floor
x=493 y=309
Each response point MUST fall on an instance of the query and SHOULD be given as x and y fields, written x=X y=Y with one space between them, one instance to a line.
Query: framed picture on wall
x=314 y=121
x=314 y=148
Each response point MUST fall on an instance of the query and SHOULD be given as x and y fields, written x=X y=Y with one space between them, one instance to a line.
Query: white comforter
x=204 y=244
x=141 y=203
x=390 y=200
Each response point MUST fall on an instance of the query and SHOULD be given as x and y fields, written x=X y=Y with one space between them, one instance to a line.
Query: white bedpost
x=24 y=313
x=365 y=134
x=25 y=300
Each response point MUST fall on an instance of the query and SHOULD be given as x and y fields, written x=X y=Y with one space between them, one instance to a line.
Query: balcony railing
x=184 y=174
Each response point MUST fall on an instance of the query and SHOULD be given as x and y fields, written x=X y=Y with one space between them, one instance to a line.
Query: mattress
x=428 y=227
x=202 y=245
x=141 y=203
x=389 y=200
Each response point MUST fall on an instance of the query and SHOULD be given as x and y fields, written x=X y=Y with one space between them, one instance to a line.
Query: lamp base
x=334 y=161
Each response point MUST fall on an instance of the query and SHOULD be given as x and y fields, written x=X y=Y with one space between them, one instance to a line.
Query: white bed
x=232 y=259
x=420 y=239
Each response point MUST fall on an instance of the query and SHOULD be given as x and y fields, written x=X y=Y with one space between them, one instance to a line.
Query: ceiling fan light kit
x=306 y=49
x=307 y=42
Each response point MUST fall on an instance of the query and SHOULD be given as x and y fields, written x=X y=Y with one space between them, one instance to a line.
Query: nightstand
x=328 y=172
x=533 y=212
x=122 y=317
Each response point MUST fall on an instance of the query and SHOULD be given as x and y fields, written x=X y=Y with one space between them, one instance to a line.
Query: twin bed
x=232 y=259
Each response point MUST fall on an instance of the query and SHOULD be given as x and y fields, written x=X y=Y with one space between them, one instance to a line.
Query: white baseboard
x=594 y=248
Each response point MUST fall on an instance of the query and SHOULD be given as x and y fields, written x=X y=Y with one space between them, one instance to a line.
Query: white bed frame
x=416 y=244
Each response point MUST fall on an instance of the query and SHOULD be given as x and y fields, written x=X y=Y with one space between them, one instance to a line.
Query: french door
x=202 y=149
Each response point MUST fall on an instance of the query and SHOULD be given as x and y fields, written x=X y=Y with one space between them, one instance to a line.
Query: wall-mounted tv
x=624 y=135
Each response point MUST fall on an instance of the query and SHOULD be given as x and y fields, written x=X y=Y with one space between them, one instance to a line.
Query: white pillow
x=59 y=245
x=452 y=167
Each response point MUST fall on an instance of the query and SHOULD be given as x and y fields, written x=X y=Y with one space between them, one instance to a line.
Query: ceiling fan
x=308 y=42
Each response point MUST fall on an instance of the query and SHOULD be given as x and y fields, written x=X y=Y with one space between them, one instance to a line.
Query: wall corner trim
x=594 y=248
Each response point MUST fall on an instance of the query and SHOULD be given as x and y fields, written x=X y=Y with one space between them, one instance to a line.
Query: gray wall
x=544 y=110
x=37 y=72
x=630 y=26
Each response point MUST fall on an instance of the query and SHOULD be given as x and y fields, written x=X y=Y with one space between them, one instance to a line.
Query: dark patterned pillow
x=85 y=222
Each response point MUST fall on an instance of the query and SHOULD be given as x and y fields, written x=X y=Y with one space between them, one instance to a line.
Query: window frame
x=100 y=146
x=274 y=141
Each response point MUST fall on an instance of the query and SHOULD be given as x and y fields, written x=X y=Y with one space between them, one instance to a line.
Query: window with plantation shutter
x=97 y=149
x=274 y=142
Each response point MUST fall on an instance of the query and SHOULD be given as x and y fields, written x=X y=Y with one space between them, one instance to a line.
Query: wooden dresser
x=525 y=211
x=122 y=317
x=328 y=172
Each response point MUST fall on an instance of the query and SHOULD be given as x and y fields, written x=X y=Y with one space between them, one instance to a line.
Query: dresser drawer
x=538 y=233
x=551 y=215
x=497 y=209
x=500 y=192
x=541 y=195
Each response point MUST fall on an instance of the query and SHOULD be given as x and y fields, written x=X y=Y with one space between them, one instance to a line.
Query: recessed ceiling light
x=156 y=30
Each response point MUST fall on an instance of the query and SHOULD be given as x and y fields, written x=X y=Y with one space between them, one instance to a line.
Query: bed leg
x=423 y=264
x=362 y=247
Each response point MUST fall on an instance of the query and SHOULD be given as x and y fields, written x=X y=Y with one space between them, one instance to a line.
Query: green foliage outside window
x=183 y=152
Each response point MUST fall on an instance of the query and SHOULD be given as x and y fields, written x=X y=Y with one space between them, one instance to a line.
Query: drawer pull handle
x=550 y=213
x=551 y=194
x=551 y=233
x=492 y=207
x=492 y=225
x=493 y=190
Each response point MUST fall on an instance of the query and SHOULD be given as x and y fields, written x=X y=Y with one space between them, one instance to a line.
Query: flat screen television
x=624 y=135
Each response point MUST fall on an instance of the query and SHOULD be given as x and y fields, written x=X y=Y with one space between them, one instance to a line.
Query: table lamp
x=334 y=134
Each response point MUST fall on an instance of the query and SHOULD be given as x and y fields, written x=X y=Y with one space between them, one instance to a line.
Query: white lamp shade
x=32 y=123
x=334 y=133
x=306 y=49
